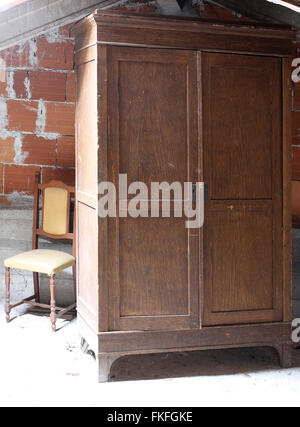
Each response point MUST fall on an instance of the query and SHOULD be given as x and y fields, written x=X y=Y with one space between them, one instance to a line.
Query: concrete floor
x=38 y=368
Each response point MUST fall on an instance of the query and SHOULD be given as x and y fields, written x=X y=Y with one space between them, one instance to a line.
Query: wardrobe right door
x=242 y=140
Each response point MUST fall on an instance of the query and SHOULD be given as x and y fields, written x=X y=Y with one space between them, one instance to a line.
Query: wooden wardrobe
x=184 y=100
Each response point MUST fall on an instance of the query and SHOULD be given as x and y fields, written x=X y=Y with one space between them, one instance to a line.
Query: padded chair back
x=56 y=210
x=56 y=203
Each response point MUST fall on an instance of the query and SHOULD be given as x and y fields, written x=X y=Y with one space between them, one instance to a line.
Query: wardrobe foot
x=285 y=352
x=104 y=366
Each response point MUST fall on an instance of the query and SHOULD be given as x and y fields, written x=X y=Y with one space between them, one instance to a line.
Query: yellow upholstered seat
x=41 y=261
x=56 y=223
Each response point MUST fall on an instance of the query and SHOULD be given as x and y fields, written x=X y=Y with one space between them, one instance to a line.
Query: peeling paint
x=2 y=70
x=27 y=87
x=50 y=136
x=33 y=58
x=41 y=123
x=20 y=156
x=11 y=94
x=41 y=118
x=21 y=48
x=28 y=107
x=16 y=198
x=3 y=114
x=54 y=36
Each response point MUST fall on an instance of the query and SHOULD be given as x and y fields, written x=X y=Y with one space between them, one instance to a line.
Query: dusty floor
x=38 y=368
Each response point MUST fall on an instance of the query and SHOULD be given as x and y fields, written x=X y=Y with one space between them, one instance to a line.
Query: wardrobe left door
x=153 y=262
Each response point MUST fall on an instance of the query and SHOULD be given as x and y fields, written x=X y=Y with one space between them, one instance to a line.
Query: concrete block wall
x=16 y=237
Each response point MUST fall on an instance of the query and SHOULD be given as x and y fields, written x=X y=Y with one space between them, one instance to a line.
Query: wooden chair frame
x=56 y=312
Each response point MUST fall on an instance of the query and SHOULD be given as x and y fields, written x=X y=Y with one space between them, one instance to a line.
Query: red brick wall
x=37 y=112
x=37 y=94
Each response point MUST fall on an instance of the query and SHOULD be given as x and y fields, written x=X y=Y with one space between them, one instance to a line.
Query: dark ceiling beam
x=35 y=17
x=262 y=10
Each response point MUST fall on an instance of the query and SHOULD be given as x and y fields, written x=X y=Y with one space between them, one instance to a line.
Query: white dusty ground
x=38 y=368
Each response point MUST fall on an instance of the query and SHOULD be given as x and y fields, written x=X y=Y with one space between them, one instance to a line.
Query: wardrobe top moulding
x=111 y=27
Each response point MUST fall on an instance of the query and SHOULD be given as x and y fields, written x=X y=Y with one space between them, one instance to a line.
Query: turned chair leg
x=52 y=302
x=36 y=287
x=7 y=299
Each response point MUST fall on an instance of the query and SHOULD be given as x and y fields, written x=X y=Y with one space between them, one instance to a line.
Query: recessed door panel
x=154 y=267
x=242 y=168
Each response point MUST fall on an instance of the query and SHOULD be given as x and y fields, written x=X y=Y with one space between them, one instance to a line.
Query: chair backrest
x=56 y=211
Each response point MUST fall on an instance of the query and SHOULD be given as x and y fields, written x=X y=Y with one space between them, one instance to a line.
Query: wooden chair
x=56 y=201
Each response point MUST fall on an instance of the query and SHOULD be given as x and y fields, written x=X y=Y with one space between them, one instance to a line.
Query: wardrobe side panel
x=86 y=185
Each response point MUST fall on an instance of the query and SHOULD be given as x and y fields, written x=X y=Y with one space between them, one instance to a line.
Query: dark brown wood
x=242 y=167
x=285 y=353
x=68 y=236
x=103 y=320
x=163 y=99
x=153 y=282
x=35 y=223
x=165 y=32
x=287 y=184
x=36 y=286
x=212 y=337
x=201 y=179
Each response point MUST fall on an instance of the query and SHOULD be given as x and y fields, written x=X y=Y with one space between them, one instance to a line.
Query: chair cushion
x=41 y=261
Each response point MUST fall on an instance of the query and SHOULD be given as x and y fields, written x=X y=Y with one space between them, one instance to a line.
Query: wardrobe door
x=153 y=137
x=242 y=136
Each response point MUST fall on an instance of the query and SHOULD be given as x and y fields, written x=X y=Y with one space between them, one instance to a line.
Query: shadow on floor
x=198 y=363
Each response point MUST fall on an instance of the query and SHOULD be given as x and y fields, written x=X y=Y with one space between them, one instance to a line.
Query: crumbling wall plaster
x=37 y=113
